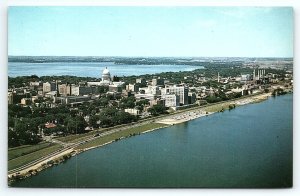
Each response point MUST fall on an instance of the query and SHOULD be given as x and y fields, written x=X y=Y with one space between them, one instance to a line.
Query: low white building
x=80 y=90
x=25 y=101
x=149 y=97
x=71 y=99
x=154 y=90
x=133 y=111
x=116 y=87
x=51 y=94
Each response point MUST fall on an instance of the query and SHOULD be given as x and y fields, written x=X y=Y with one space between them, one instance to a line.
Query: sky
x=151 y=31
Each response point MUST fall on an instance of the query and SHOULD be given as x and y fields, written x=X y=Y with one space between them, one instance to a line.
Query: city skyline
x=151 y=31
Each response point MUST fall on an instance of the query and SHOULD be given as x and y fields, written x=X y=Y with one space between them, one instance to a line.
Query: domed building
x=106 y=81
x=106 y=75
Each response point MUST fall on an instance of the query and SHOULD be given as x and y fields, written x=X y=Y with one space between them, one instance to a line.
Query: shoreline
x=171 y=120
x=199 y=113
x=33 y=170
x=110 y=142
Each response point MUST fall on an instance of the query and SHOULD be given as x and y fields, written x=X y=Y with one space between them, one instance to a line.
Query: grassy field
x=217 y=107
x=78 y=137
x=72 y=138
x=117 y=135
x=26 y=149
x=22 y=160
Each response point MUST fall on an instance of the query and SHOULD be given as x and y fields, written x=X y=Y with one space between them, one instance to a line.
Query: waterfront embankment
x=204 y=111
x=117 y=134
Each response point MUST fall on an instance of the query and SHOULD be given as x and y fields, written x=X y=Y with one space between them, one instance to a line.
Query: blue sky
x=151 y=31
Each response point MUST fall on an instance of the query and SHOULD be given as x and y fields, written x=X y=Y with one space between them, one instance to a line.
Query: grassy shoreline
x=26 y=149
x=22 y=160
x=120 y=135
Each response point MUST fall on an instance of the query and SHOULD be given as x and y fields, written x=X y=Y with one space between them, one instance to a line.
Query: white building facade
x=171 y=100
x=181 y=91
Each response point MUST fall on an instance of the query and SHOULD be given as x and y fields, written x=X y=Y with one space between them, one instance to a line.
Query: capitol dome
x=106 y=75
x=106 y=71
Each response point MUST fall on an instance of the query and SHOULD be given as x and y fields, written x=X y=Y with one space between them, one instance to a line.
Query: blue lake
x=90 y=69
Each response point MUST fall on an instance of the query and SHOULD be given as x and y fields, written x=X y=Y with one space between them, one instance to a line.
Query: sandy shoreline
x=253 y=99
x=198 y=113
x=167 y=121
x=181 y=118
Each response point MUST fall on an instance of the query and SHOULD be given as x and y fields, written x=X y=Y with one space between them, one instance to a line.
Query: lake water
x=90 y=69
x=250 y=146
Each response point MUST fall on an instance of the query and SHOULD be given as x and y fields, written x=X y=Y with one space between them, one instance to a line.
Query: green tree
x=105 y=121
x=23 y=132
x=127 y=102
x=76 y=125
x=157 y=110
x=93 y=121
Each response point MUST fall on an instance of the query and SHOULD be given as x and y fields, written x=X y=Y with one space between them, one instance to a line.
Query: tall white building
x=158 y=82
x=132 y=87
x=140 y=80
x=260 y=74
x=181 y=91
x=171 y=100
x=64 y=89
x=47 y=87
x=10 y=98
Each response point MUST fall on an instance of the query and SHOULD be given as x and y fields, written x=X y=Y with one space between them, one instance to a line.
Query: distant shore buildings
x=156 y=90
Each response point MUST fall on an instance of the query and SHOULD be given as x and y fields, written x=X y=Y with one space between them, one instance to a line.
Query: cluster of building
x=166 y=94
x=156 y=91
x=260 y=80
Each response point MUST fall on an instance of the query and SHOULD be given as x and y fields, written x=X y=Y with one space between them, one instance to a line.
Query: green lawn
x=22 y=160
x=26 y=149
x=225 y=105
x=78 y=137
x=124 y=133
x=71 y=138
x=217 y=107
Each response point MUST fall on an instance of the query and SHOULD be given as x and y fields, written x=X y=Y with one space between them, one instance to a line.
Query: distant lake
x=90 y=69
x=250 y=146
